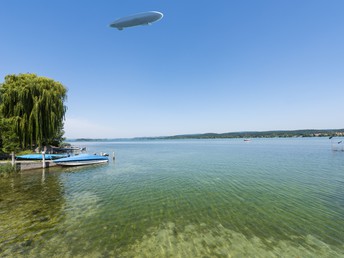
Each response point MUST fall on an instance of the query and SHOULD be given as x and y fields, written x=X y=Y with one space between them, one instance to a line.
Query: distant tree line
x=32 y=112
x=264 y=134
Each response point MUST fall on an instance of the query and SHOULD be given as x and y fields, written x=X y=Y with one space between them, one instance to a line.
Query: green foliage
x=10 y=140
x=7 y=169
x=31 y=111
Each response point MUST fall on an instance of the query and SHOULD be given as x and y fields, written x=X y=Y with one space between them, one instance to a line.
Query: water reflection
x=30 y=207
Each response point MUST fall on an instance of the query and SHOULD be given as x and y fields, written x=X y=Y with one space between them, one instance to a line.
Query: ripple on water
x=169 y=240
x=184 y=199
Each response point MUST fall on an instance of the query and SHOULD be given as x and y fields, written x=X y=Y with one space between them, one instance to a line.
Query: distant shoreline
x=231 y=135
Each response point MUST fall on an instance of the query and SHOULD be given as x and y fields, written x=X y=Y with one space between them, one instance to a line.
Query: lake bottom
x=273 y=198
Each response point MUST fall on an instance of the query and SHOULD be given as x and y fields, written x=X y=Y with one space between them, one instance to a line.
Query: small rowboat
x=81 y=160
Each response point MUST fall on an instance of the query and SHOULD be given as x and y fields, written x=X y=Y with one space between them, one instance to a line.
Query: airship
x=145 y=18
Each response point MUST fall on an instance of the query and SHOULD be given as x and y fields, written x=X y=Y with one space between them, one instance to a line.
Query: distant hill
x=252 y=134
x=264 y=134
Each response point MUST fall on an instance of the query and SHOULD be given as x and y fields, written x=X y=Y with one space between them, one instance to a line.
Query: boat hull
x=82 y=160
x=81 y=163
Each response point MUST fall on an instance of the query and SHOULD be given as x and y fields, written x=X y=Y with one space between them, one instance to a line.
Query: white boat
x=81 y=160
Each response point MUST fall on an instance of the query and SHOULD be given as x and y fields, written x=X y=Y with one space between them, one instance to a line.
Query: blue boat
x=40 y=156
x=82 y=159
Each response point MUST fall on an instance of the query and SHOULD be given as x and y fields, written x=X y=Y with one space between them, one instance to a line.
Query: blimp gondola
x=145 y=18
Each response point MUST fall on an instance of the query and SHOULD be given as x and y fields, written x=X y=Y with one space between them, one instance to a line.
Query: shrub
x=7 y=169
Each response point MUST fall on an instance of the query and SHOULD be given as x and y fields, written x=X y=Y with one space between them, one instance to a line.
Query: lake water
x=182 y=198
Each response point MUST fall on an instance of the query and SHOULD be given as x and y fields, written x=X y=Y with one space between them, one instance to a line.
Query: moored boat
x=40 y=156
x=81 y=160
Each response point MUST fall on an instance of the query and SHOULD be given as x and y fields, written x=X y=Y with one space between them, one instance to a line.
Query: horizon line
x=194 y=134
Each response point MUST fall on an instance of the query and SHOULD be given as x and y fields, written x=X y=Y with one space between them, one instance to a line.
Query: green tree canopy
x=32 y=110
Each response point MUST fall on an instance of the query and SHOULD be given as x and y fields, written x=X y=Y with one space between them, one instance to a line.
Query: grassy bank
x=7 y=169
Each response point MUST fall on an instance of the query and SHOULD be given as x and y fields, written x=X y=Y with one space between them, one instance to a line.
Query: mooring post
x=43 y=175
x=43 y=158
x=13 y=159
x=113 y=155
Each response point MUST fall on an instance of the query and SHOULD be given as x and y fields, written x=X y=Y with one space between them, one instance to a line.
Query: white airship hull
x=137 y=19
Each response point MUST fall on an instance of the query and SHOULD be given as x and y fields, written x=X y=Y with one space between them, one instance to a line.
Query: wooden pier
x=23 y=165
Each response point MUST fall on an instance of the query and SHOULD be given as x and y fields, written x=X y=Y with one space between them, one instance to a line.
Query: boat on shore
x=81 y=160
x=40 y=156
x=70 y=149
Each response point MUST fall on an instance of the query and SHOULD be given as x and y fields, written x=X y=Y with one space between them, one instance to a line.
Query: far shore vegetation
x=32 y=112
x=263 y=134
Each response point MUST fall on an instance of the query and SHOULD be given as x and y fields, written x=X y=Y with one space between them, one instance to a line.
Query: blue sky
x=207 y=66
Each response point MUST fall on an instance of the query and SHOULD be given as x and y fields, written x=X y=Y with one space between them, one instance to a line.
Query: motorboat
x=81 y=160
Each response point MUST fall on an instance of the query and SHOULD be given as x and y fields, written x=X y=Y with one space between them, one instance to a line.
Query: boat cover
x=81 y=157
x=39 y=156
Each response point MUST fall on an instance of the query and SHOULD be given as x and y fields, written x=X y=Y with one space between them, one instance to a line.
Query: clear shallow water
x=184 y=198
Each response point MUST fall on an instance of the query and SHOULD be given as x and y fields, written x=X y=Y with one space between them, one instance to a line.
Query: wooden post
x=113 y=155
x=13 y=159
x=43 y=158
x=43 y=175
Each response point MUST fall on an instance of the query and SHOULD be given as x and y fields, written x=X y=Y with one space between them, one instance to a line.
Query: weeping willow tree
x=32 y=110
